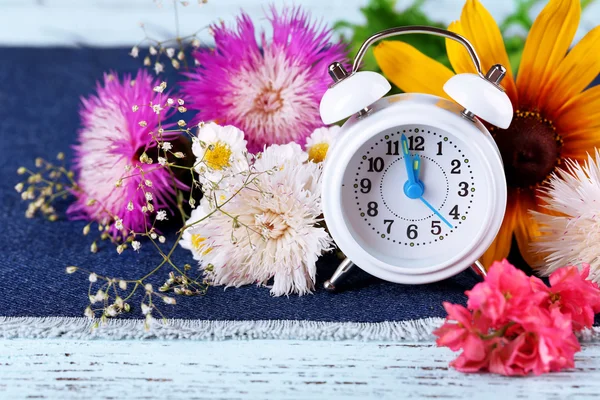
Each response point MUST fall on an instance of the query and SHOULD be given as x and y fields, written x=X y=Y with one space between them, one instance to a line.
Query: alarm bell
x=351 y=93
x=482 y=97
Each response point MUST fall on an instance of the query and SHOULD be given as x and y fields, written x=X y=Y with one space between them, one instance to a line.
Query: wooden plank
x=265 y=369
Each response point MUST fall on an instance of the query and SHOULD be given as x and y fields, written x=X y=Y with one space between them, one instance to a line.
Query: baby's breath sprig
x=172 y=50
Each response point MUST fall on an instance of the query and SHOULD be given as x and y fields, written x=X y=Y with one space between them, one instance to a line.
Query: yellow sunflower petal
x=578 y=144
x=526 y=227
x=478 y=26
x=576 y=71
x=547 y=43
x=582 y=111
x=458 y=56
x=411 y=70
x=500 y=247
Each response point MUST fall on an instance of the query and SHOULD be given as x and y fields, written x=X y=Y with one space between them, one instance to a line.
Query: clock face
x=415 y=214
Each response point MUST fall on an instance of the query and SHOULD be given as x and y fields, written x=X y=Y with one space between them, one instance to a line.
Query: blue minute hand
x=436 y=212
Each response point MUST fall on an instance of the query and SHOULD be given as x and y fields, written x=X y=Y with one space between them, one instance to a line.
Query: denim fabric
x=39 y=100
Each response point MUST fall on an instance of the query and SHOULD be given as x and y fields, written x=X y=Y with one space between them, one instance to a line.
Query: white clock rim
x=414 y=106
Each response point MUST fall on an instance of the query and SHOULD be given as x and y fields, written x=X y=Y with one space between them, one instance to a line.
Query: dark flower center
x=530 y=149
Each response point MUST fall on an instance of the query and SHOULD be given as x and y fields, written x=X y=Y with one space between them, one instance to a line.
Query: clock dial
x=402 y=222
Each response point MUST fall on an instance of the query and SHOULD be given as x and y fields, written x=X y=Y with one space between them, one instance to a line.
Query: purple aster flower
x=117 y=125
x=269 y=90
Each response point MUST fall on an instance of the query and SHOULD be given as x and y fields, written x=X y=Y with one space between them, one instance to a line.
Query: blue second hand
x=436 y=212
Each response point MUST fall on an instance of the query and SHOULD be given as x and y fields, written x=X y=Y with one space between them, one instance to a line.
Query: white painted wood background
x=68 y=369
x=116 y=22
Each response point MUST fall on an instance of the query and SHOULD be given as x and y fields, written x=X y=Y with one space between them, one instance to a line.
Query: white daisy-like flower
x=320 y=142
x=269 y=230
x=571 y=236
x=219 y=149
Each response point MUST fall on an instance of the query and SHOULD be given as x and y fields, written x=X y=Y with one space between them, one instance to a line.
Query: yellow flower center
x=198 y=244
x=218 y=155
x=530 y=149
x=318 y=152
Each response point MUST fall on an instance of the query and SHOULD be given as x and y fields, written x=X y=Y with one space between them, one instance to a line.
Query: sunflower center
x=530 y=149
x=268 y=101
x=318 y=152
x=217 y=156
x=272 y=225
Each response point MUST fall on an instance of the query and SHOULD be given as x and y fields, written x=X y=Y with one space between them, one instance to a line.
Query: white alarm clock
x=414 y=190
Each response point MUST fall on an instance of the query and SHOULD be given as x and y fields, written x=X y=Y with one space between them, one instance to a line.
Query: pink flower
x=505 y=293
x=465 y=333
x=269 y=89
x=515 y=325
x=571 y=293
x=546 y=343
x=107 y=158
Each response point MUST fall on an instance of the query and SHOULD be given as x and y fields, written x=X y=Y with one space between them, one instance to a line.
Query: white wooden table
x=70 y=369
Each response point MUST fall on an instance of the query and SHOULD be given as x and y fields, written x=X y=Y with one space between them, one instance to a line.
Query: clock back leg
x=341 y=271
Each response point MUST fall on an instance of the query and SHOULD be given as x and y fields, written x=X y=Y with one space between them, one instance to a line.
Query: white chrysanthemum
x=320 y=142
x=219 y=149
x=572 y=235
x=268 y=230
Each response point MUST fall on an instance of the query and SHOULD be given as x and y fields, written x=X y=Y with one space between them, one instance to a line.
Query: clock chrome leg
x=479 y=269
x=339 y=273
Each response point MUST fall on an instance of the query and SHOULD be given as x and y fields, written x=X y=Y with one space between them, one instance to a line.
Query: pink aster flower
x=270 y=90
x=114 y=184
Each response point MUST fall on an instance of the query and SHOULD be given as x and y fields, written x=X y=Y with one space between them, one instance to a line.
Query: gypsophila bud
x=89 y=313
x=119 y=183
x=162 y=239
x=179 y=154
x=162 y=161
x=19 y=187
x=196 y=43
x=181 y=123
x=147 y=61
x=120 y=248
x=126 y=307
x=170 y=101
x=153 y=235
x=39 y=162
x=93 y=277
x=175 y=63
x=181 y=109
x=135 y=51
x=181 y=55
x=94 y=248
x=71 y=269
x=86 y=229
x=90 y=202
x=144 y=209
x=60 y=156
x=148 y=183
x=148 y=287
x=145 y=308
x=152 y=50
x=143 y=124
x=169 y=300
x=150 y=207
x=158 y=68
x=134 y=108
x=170 y=52
x=110 y=311
x=123 y=285
x=192 y=202
x=21 y=170
x=130 y=206
x=119 y=302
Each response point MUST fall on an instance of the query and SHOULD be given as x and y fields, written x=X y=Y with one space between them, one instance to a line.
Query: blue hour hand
x=413 y=188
